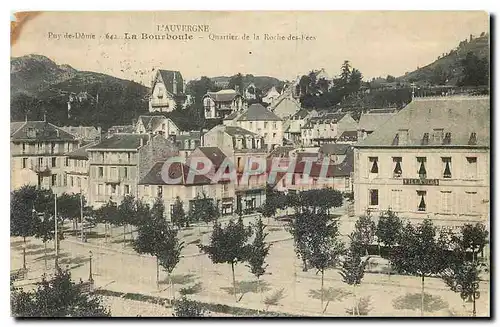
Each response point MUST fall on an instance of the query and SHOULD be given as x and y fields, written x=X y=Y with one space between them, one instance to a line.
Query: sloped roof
x=81 y=152
x=327 y=118
x=152 y=122
x=238 y=131
x=343 y=169
x=257 y=112
x=177 y=171
x=168 y=79
x=281 y=151
x=466 y=118
x=227 y=95
x=121 y=129
x=214 y=154
x=334 y=148
x=232 y=115
x=371 y=121
x=43 y=131
x=122 y=141
x=301 y=114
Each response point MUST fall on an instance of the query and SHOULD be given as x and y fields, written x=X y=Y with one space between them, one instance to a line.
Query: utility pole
x=56 y=232
x=81 y=215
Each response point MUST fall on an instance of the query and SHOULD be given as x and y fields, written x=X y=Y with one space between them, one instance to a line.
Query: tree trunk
x=76 y=226
x=45 y=254
x=124 y=231
x=234 y=282
x=172 y=287
x=422 y=297
x=157 y=274
x=105 y=232
x=24 y=253
x=354 y=306
x=322 y=290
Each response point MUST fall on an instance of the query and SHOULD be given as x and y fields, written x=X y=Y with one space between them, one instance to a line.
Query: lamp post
x=91 y=280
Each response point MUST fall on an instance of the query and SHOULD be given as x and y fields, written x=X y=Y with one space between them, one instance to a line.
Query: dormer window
x=437 y=135
x=422 y=172
x=447 y=138
x=397 y=167
x=396 y=139
x=30 y=132
x=373 y=165
x=473 y=139
x=403 y=136
x=425 y=139
x=446 y=167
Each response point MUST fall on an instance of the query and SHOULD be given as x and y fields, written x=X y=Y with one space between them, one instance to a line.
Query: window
x=100 y=189
x=274 y=125
x=446 y=167
x=397 y=167
x=471 y=169
x=24 y=147
x=396 y=200
x=373 y=165
x=447 y=138
x=113 y=188
x=71 y=181
x=65 y=180
x=421 y=198
x=159 y=191
x=470 y=202
x=40 y=162
x=78 y=182
x=265 y=124
x=114 y=173
x=163 y=126
x=126 y=189
x=422 y=173
x=128 y=157
x=54 y=180
x=125 y=172
x=446 y=201
x=437 y=135
x=52 y=147
x=374 y=197
x=54 y=161
x=66 y=162
x=274 y=135
x=25 y=162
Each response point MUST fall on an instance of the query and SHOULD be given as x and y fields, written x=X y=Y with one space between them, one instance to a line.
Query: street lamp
x=91 y=280
x=470 y=295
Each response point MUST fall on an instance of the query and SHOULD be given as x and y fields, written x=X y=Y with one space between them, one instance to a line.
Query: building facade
x=38 y=155
x=156 y=124
x=222 y=103
x=430 y=160
x=167 y=91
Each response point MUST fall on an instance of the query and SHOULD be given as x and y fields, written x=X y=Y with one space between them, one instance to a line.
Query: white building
x=326 y=128
x=222 y=103
x=167 y=90
x=156 y=124
x=431 y=159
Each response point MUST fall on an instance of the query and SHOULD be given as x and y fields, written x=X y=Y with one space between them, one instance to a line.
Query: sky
x=375 y=42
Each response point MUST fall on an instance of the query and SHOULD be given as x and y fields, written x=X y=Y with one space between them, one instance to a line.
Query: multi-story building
x=431 y=159
x=77 y=170
x=153 y=185
x=38 y=154
x=84 y=133
x=243 y=147
x=295 y=123
x=116 y=164
x=187 y=142
x=156 y=124
x=326 y=128
x=285 y=107
x=259 y=120
x=222 y=103
x=167 y=91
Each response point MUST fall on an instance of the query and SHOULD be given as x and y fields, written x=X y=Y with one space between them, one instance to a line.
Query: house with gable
x=167 y=91
x=222 y=103
x=156 y=124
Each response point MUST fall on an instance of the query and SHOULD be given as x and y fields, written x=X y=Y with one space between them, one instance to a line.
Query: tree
x=168 y=251
x=179 y=217
x=236 y=82
x=26 y=202
x=420 y=253
x=57 y=297
x=187 y=308
x=389 y=230
x=150 y=233
x=203 y=209
x=68 y=207
x=45 y=231
x=364 y=232
x=472 y=238
x=324 y=247
x=390 y=79
x=258 y=252
x=107 y=214
x=475 y=70
x=126 y=212
x=228 y=245
x=353 y=268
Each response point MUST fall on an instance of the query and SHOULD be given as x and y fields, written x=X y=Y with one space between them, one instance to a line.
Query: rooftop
x=38 y=131
x=257 y=112
x=436 y=121
x=127 y=141
x=227 y=95
x=372 y=120
x=334 y=148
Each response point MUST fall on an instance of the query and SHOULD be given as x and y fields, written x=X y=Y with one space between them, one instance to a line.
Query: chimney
x=174 y=84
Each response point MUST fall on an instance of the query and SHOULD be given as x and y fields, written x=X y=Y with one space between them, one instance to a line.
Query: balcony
x=160 y=102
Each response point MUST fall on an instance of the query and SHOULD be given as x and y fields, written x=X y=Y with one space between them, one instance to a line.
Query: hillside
x=32 y=73
x=447 y=69
x=39 y=86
